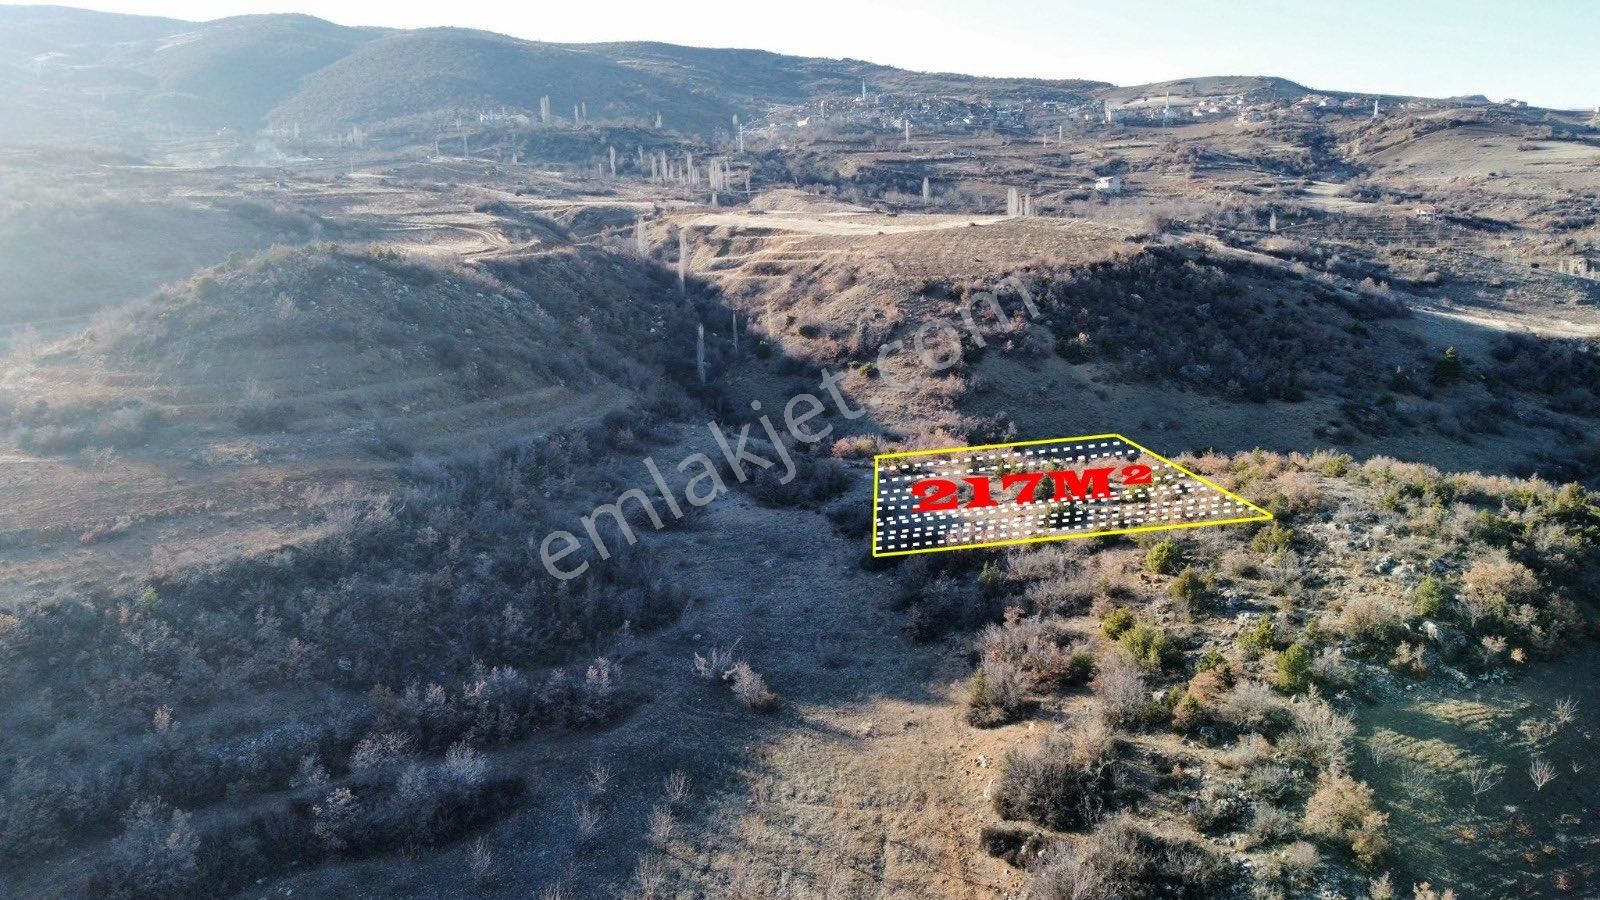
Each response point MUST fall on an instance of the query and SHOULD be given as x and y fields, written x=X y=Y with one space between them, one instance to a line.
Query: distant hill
x=75 y=69
x=78 y=73
x=1212 y=86
x=416 y=73
x=29 y=31
x=233 y=71
x=775 y=78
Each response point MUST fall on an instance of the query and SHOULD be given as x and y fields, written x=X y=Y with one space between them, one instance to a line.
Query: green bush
x=1272 y=539
x=1190 y=587
x=1080 y=667
x=1294 y=668
x=1258 y=638
x=1430 y=597
x=1116 y=622
x=1164 y=558
x=992 y=579
x=1336 y=466
x=1449 y=368
x=1148 y=645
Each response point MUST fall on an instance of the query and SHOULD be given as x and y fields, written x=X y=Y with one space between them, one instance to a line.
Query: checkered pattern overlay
x=1173 y=498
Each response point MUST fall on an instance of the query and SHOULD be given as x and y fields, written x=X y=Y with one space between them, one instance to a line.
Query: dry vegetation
x=287 y=405
x=1214 y=658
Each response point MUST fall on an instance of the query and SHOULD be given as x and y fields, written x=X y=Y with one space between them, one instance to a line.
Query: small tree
x=1164 y=558
x=1294 y=668
x=1430 y=597
x=1116 y=622
x=1189 y=588
x=1259 y=638
x=1449 y=368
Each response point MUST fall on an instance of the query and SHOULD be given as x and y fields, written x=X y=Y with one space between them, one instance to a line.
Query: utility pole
x=683 y=271
x=700 y=354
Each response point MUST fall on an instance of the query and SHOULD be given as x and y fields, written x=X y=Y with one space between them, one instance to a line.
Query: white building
x=1109 y=184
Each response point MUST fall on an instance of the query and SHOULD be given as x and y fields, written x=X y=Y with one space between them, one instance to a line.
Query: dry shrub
x=1208 y=687
x=1037 y=648
x=1064 y=781
x=746 y=683
x=1240 y=564
x=998 y=694
x=1247 y=753
x=750 y=687
x=1369 y=617
x=1341 y=811
x=1294 y=494
x=1061 y=594
x=1269 y=824
x=1124 y=698
x=1322 y=736
x=1495 y=585
x=1252 y=706
x=855 y=446
x=1041 y=562
x=1331 y=668
x=1120 y=860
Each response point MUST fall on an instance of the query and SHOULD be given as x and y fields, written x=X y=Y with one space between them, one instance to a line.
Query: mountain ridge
x=284 y=69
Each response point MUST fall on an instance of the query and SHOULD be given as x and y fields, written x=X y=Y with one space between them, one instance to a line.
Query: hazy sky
x=1544 y=51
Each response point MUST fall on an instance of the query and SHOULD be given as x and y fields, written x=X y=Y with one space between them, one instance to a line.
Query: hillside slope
x=212 y=420
x=455 y=71
x=233 y=71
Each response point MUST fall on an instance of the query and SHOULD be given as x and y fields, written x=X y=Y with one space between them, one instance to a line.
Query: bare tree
x=1541 y=773
x=1537 y=732
x=661 y=825
x=588 y=819
x=1481 y=780
x=651 y=875
x=676 y=787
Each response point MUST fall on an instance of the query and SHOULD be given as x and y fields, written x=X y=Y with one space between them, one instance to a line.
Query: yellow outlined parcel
x=962 y=498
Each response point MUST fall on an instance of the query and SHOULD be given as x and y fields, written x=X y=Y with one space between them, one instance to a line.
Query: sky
x=1546 y=52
